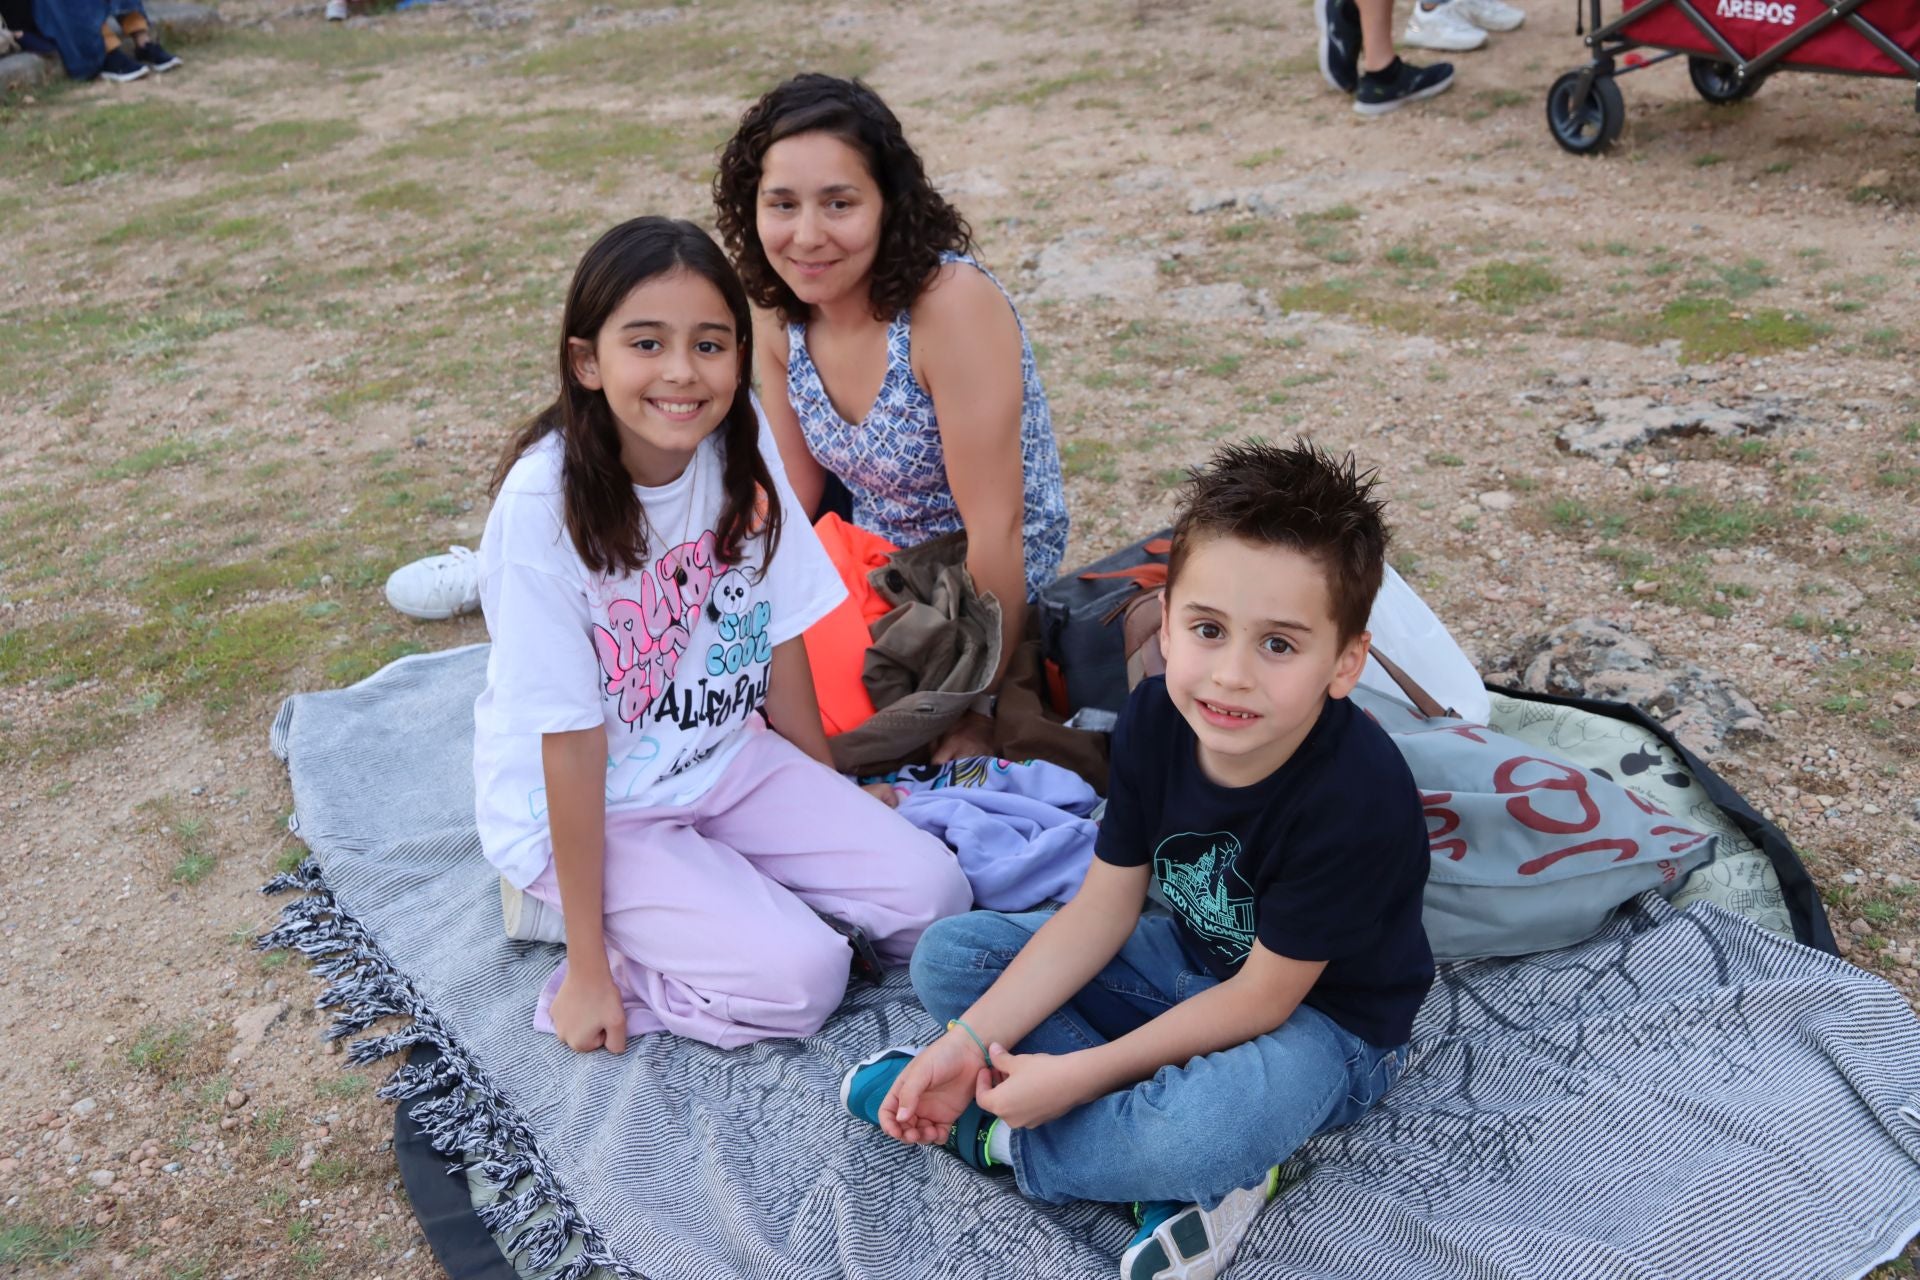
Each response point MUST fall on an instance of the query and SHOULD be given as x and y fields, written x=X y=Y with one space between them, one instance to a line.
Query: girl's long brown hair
x=604 y=518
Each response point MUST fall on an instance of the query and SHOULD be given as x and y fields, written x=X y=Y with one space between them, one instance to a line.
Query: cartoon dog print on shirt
x=743 y=625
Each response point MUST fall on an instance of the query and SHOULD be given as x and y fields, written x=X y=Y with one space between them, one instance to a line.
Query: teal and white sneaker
x=1186 y=1242
x=865 y=1088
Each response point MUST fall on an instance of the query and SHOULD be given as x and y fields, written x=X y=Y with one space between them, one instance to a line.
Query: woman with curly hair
x=908 y=376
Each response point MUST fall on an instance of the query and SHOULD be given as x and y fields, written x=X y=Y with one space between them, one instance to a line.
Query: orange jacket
x=838 y=643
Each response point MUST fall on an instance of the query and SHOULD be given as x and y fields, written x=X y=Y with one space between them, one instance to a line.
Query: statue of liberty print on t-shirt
x=1200 y=877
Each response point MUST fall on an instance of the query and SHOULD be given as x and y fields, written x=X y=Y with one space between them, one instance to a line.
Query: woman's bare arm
x=808 y=477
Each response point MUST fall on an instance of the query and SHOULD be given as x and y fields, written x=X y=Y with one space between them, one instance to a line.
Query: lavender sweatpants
x=710 y=926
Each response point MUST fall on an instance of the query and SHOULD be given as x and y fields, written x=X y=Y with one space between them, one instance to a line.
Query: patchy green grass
x=696 y=54
x=155 y=457
x=404 y=197
x=1723 y=524
x=1089 y=458
x=333 y=48
x=269 y=147
x=61 y=651
x=1488 y=101
x=94 y=140
x=1411 y=257
x=1713 y=329
x=1040 y=90
x=196 y=858
x=334 y=1172
x=1501 y=286
x=1735 y=280
x=24 y=1242
x=160 y=1051
x=1338 y=295
x=350 y=1085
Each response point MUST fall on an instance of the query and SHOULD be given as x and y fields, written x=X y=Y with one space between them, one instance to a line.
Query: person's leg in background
x=120 y=66
x=147 y=51
x=1386 y=83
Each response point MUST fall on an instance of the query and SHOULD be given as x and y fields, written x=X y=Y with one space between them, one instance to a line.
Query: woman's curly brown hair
x=916 y=224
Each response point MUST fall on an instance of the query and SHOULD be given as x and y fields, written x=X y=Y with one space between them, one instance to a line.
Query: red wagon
x=1731 y=46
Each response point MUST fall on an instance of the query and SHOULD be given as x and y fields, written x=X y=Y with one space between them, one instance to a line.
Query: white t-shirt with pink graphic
x=672 y=660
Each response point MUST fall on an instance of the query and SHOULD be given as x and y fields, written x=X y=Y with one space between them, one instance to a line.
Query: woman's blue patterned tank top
x=892 y=462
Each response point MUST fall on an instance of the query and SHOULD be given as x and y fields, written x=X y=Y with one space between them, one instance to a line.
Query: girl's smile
x=668 y=362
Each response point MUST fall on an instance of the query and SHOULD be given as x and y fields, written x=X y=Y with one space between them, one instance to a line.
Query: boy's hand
x=587 y=1012
x=883 y=792
x=932 y=1092
x=1029 y=1089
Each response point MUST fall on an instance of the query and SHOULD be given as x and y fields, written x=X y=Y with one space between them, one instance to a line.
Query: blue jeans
x=1192 y=1133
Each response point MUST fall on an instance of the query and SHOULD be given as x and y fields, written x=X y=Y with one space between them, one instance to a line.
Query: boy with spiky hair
x=1173 y=1060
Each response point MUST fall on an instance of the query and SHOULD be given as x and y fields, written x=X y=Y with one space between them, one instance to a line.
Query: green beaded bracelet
x=973 y=1036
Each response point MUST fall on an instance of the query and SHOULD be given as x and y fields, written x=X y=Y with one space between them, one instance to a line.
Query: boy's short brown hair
x=1300 y=497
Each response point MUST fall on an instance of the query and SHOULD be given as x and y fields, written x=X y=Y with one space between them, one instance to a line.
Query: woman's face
x=818 y=216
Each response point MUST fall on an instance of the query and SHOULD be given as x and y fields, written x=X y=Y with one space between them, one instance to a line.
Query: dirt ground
x=265 y=320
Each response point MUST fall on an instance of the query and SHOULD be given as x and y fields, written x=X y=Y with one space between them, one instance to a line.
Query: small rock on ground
x=22 y=71
x=1593 y=658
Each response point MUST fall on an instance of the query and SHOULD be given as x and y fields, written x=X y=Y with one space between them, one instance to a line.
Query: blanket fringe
x=541 y=1242
x=471 y=1124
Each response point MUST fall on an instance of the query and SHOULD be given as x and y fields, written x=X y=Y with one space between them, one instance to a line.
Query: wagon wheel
x=1587 y=127
x=1719 y=83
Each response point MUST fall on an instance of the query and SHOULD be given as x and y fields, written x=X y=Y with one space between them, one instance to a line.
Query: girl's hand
x=883 y=792
x=1029 y=1089
x=931 y=1093
x=587 y=1012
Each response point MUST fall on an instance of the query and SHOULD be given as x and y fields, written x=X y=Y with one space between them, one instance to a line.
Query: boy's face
x=1252 y=652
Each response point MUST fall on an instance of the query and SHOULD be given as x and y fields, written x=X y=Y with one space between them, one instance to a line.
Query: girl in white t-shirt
x=648 y=755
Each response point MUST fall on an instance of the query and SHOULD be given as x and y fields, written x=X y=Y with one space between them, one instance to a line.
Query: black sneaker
x=154 y=56
x=1339 y=22
x=1401 y=83
x=120 y=68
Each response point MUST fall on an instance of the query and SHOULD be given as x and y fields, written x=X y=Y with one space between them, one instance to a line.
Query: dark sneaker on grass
x=1339 y=22
x=156 y=57
x=1401 y=83
x=120 y=68
x=865 y=1088
x=1186 y=1242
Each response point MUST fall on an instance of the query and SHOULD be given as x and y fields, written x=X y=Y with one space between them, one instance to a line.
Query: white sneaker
x=1186 y=1242
x=336 y=10
x=438 y=586
x=1441 y=28
x=1490 y=15
x=527 y=919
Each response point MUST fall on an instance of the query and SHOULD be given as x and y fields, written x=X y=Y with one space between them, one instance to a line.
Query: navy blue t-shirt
x=1323 y=859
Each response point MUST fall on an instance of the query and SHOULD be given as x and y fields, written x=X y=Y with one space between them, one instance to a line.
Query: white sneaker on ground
x=1186 y=1242
x=438 y=586
x=1441 y=28
x=1489 y=15
x=527 y=919
x=336 y=10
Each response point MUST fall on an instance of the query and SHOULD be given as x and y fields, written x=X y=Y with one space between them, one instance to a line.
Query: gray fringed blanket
x=1684 y=1096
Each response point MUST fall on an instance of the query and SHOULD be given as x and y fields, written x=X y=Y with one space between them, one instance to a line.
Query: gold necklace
x=686 y=521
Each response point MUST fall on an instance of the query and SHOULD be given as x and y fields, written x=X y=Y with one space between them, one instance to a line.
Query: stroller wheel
x=1587 y=127
x=1719 y=83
